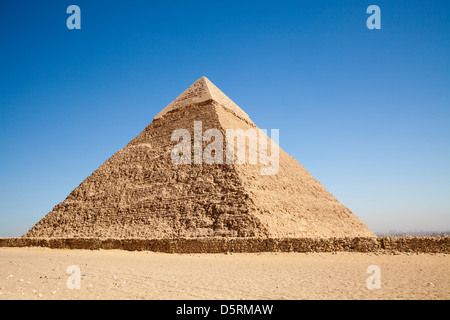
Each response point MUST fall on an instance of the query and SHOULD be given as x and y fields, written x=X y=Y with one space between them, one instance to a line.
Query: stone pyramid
x=141 y=193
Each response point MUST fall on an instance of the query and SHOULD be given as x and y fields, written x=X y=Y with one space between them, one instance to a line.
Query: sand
x=40 y=273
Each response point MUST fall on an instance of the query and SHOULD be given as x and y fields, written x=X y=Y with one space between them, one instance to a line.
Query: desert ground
x=40 y=273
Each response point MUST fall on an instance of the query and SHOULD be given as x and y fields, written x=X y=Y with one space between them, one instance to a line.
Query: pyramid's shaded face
x=141 y=193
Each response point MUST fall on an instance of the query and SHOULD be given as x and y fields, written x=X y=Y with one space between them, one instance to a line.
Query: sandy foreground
x=40 y=273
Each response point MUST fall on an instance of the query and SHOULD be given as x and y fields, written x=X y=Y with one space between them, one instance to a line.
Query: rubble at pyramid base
x=386 y=245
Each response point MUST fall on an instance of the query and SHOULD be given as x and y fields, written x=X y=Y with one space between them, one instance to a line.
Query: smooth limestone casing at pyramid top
x=140 y=193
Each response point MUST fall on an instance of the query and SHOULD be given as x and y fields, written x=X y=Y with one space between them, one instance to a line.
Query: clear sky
x=366 y=112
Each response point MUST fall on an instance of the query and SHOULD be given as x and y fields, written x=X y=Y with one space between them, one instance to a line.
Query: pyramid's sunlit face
x=235 y=140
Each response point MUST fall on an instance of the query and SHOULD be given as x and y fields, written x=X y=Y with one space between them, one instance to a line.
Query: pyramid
x=141 y=193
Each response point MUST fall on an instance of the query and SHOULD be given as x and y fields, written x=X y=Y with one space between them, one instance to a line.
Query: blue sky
x=366 y=112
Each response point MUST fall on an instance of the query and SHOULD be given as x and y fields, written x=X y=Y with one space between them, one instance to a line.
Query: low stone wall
x=221 y=245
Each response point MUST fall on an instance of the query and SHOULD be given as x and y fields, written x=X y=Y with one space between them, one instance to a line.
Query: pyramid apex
x=200 y=91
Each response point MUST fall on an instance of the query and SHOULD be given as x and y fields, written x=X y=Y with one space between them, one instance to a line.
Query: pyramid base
x=243 y=245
